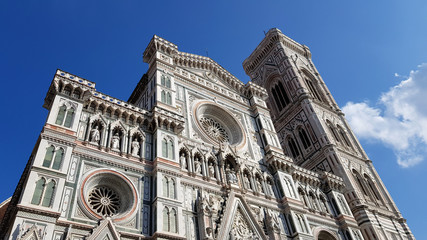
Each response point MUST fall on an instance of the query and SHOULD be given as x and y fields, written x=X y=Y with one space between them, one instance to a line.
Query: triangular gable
x=239 y=222
x=31 y=234
x=105 y=231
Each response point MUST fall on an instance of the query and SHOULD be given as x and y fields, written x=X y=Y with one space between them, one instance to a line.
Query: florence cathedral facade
x=196 y=154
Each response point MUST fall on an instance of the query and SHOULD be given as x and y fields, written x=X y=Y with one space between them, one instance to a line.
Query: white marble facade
x=196 y=154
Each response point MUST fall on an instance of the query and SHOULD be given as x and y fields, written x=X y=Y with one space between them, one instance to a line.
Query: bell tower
x=314 y=132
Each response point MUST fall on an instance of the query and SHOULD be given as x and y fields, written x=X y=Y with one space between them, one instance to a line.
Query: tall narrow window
x=172 y=216
x=276 y=99
x=162 y=80
x=168 y=82
x=165 y=186
x=293 y=147
x=170 y=150
x=69 y=118
x=165 y=219
x=59 y=154
x=344 y=137
x=49 y=156
x=163 y=96
x=165 y=148
x=313 y=89
x=304 y=138
x=48 y=195
x=168 y=98
x=334 y=133
x=38 y=191
x=284 y=94
x=61 y=115
x=172 y=188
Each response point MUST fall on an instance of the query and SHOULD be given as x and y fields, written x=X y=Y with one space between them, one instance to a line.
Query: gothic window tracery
x=43 y=193
x=167 y=148
x=169 y=220
x=66 y=113
x=293 y=147
x=304 y=138
x=53 y=157
x=280 y=96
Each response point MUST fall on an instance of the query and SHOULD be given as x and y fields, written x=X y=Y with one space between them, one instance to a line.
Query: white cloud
x=399 y=119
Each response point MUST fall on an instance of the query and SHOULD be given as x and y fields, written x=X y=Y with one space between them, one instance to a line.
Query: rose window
x=217 y=125
x=214 y=129
x=104 y=201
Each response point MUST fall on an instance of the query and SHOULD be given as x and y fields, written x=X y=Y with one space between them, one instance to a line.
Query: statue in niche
x=246 y=181
x=94 y=135
x=183 y=161
x=231 y=175
x=211 y=170
x=259 y=185
x=135 y=147
x=115 y=141
x=197 y=166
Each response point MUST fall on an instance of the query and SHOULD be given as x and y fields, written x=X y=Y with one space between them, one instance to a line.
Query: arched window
x=163 y=80
x=48 y=195
x=372 y=187
x=163 y=97
x=61 y=115
x=170 y=150
x=313 y=90
x=171 y=187
x=333 y=131
x=172 y=216
x=166 y=219
x=48 y=156
x=294 y=148
x=356 y=175
x=38 y=191
x=304 y=138
x=58 y=159
x=168 y=82
x=165 y=148
x=69 y=118
x=344 y=136
x=280 y=96
x=165 y=187
x=168 y=98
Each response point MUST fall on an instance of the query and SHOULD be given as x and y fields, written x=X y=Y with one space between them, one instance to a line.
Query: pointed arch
x=69 y=118
x=38 y=191
x=48 y=156
x=59 y=154
x=61 y=115
x=48 y=195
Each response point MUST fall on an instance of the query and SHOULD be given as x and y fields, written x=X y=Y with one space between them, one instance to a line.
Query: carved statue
x=94 y=135
x=115 y=141
x=197 y=166
x=211 y=170
x=259 y=185
x=183 y=161
x=246 y=181
x=231 y=175
x=135 y=147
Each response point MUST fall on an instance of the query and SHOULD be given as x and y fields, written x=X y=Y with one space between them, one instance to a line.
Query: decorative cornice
x=270 y=40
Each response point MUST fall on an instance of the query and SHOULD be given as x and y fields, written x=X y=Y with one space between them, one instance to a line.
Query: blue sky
x=370 y=54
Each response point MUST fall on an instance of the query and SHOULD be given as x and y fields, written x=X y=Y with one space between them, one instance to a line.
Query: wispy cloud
x=399 y=119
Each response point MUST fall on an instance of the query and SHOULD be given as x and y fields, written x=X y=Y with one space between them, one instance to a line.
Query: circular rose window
x=217 y=124
x=108 y=193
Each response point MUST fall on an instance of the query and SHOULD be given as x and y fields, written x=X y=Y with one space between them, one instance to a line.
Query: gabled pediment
x=31 y=234
x=239 y=222
x=105 y=231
